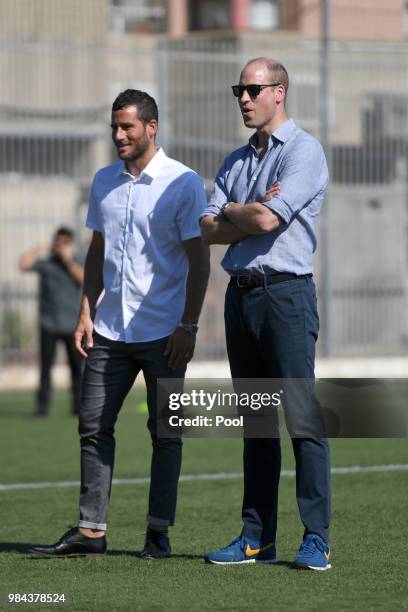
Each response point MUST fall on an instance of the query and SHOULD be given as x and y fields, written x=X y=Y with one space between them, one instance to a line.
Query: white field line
x=354 y=469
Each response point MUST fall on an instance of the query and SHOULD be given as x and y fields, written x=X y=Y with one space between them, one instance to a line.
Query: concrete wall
x=45 y=21
x=361 y=20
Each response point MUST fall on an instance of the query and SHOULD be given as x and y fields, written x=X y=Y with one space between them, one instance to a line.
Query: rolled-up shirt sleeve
x=302 y=177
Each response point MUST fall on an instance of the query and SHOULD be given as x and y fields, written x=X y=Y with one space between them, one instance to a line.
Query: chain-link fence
x=59 y=79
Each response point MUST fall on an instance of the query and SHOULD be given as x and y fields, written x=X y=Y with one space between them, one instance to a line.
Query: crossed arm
x=241 y=220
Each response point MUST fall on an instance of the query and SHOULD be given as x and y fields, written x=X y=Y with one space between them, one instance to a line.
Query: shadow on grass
x=138 y=553
x=288 y=564
x=23 y=548
x=19 y=414
x=15 y=547
x=23 y=414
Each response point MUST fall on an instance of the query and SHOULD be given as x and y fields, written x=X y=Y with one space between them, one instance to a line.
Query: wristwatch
x=191 y=328
x=224 y=207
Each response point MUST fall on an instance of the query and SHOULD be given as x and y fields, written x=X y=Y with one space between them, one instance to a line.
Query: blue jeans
x=271 y=332
x=111 y=369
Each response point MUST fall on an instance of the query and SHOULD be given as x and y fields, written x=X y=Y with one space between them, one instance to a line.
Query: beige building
x=63 y=62
x=358 y=20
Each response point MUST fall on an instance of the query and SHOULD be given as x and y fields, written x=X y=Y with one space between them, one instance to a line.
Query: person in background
x=61 y=278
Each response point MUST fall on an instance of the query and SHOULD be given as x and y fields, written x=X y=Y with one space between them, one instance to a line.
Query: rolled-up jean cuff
x=156 y=521
x=88 y=525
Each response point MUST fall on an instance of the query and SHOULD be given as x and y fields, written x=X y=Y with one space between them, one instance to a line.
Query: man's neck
x=136 y=166
x=267 y=130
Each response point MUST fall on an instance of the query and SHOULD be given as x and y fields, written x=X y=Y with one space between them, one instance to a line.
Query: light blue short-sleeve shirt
x=296 y=159
x=144 y=221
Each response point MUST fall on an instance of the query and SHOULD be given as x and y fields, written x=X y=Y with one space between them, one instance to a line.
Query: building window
x=303 y=100
x=210 y=14
x=405 y=19
x=264 y=15
x=138 y=16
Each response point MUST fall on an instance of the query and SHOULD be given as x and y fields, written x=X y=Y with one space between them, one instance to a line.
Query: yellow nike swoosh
x=250 y=552
x=327 y=555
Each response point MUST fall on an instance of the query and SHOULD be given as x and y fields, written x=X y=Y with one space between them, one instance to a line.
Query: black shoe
x=157 y=545
x=73 y=544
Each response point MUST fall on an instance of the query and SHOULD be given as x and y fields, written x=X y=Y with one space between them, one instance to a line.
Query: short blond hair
x=277 y=71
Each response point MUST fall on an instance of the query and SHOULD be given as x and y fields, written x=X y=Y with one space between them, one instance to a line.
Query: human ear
x=151 y=128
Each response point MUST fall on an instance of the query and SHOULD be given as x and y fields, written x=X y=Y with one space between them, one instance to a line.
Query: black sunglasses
x=253 y=90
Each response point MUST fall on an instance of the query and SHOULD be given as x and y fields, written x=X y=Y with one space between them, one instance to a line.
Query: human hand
x=65 y=252
x=83 y=335
x=180 y=348
x=270 y=193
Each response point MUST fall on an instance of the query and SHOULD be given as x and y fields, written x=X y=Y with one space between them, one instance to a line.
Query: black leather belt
x=269 y=279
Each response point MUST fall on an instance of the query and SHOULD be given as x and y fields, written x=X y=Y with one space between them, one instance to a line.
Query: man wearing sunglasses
x=266 y=199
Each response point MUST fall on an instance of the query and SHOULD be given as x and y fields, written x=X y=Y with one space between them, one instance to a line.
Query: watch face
x=192 y=328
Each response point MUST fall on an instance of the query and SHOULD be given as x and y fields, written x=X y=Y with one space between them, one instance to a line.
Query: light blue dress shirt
x=143 y=221
x=296 y=159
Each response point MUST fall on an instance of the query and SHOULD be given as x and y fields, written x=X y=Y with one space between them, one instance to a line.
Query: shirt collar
x=152 y=169
x=285 y=131
x=282 y=133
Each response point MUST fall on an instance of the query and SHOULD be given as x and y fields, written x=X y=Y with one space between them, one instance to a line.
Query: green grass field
x=369 y=534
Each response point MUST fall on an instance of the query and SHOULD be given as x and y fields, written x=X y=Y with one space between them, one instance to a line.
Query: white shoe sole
x=312 y=567
x=241 y=562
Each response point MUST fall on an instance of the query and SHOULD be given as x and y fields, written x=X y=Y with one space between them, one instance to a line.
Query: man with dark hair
x=146 y=274
x=270 y=310
x=61 y=278
x=146 y=105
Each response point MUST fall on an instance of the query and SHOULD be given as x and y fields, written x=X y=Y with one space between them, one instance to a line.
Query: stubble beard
x=138 y=151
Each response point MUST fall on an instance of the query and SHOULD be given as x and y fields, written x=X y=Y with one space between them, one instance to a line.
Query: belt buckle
x=238 y=281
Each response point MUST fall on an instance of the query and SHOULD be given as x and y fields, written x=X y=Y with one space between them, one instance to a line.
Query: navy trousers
x=271 y=332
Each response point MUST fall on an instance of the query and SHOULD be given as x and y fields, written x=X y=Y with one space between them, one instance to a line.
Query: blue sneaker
x=313 y=554
x=243 y=550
